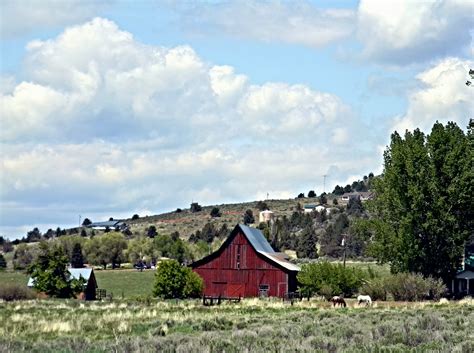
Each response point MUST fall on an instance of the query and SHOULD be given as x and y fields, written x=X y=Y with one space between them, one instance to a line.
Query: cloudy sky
x=111 y=108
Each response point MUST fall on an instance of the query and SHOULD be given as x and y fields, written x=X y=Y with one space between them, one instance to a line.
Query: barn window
x=237 y=259
x=263 y=290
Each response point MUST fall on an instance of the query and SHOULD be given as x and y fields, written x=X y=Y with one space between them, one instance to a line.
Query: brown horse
x=336 y=300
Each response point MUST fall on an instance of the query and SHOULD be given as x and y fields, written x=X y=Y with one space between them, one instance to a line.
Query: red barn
x=246 y=266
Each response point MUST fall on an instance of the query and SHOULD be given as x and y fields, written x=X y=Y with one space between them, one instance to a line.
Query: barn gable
x=244 y=265
x=257 y=240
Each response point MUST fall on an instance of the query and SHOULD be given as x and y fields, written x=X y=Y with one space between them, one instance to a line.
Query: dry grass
x=252 y=325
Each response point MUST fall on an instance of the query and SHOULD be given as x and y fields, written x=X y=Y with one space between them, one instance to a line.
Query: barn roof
x=282 y=262
x=258 y=242
x=257 y=239
x=76 y=273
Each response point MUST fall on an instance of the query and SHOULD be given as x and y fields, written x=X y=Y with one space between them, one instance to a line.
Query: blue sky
x=115 y=108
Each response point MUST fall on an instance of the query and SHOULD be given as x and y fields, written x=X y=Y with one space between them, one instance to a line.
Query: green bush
x=9 y=292
x=413 y=287
x=175 y=281
x=325 y=279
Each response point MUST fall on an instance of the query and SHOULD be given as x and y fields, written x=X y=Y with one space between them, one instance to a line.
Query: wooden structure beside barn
x=246 y=266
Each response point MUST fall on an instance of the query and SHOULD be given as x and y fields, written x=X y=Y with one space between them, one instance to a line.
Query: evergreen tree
x=306 y=247
x=215 y=212
x=355 y=207
x=248 y=217
x=323 y=199
x=33 y=235
x=151 y=232
x=3 y=262
x=86 y=222
x=77 y=259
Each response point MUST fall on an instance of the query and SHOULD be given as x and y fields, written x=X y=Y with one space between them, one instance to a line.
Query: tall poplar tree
x=424 y=201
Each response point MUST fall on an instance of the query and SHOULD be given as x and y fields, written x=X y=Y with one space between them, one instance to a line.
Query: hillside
x=187 y=222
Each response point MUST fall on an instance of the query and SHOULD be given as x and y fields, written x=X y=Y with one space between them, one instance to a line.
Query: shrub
x=413 y=287
x=375 y=288
x=9 y=292
x=23 y=257
x=327 y=279
x=175 y=281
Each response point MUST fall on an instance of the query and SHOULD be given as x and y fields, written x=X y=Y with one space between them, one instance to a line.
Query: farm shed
x=246 y=266
x=463 y=283
x=76 y=273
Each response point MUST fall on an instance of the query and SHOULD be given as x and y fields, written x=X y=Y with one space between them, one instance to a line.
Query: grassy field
x=121 y=283
x=252 y=325
x=126 y=283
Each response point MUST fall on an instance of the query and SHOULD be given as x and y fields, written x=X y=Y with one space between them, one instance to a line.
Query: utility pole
x=343 y=244
x=324 y=182
x=79 y=220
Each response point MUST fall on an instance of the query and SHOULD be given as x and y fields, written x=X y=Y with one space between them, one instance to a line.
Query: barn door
x=282 y=289
x=235 y=290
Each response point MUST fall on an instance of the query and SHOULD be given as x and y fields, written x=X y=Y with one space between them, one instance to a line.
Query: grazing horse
x=338 y=301
x=364 y=299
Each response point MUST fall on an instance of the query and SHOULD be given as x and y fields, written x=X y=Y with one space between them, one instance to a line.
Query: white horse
x=364 y=299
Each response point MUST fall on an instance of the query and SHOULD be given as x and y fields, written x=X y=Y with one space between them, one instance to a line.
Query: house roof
x=466 y=274
x=258 y=241
x=105 y=224
x=76 y=273
x=358 y=193
x=310 y=205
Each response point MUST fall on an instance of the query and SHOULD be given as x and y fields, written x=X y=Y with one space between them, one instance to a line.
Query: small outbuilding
x=463 y=284
x=265 y=216
x=246 y=266
x=90 y=288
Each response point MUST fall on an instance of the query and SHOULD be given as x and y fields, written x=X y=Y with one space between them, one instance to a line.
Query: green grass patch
x=126 y=283
x=13 y=277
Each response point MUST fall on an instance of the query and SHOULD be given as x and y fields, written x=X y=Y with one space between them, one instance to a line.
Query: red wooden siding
x=239 y=271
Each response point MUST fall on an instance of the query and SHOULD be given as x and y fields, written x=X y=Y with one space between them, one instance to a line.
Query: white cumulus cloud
x=443 y=97
x=104 y=124
x=402 y=32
